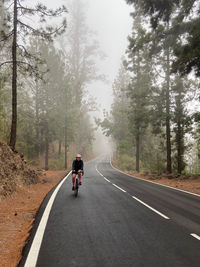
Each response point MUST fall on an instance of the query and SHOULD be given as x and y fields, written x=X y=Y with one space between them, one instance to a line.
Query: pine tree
x=81 y=51
x=20 y=57
x=180 y=120
x=140 y=87
x=184 y=17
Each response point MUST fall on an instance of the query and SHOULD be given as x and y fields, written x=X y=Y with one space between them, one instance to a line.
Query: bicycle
x=76 y=186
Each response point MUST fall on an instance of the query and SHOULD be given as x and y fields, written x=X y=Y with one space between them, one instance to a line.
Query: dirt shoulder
x=17 y=214
x=190 y=183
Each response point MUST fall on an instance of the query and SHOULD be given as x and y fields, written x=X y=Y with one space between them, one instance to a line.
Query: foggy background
x=83 y=64
x=111 y=23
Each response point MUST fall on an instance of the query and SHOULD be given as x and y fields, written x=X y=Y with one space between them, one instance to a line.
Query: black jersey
x=77 y=165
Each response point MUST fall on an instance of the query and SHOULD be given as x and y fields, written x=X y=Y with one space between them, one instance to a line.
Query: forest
x=155 y=116
x=44 y=69
x=45 y=110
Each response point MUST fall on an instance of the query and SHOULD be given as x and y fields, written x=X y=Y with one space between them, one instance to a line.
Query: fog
x=111 y=23
x=111 y=20
x=150 y=103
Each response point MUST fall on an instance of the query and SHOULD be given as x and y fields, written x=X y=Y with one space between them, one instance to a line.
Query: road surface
x=116 y=220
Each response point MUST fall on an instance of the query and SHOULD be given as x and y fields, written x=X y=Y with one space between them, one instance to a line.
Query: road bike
x=76 y=186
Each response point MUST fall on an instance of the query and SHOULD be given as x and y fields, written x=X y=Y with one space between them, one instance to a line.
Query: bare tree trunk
x=37 y=121
x=179 y=148
x=59 y=147
x=66 y=156
x=168 y=129
x=138 y=152
x=13 y=132
x=66 y=144
x=41 y=142
x=179 y=136
x=46 y=147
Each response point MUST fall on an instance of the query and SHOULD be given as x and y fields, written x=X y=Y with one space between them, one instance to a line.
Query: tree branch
x=36 y=32
x=18 y=62
x=6 y=62
x=41 y=9
x=39 y=32
x=7 y=36
x=158 y=73
x=9 y=6
x=26 y=52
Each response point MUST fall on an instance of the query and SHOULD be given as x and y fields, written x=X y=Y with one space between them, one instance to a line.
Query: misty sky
x=111 y=20
x=112 y=23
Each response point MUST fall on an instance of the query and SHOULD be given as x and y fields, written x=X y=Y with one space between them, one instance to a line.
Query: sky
x=111 y=21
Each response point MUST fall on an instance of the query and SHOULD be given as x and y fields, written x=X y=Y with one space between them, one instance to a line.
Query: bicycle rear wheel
x=76 y=188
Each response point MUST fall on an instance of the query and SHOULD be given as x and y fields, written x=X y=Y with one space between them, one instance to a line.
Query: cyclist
x=77 y=168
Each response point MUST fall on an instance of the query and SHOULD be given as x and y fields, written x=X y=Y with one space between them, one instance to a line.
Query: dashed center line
x=137 y=199
x=143 y=203
x=156 y=211
x=195 y=236
x=99 y=172
x=119 y=188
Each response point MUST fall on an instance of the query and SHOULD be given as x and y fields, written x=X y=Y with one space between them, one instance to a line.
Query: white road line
x=102 y=175
x=98 y=172
x=119 y=188
x=106 y=179
x=31 y=260
x=159 y=213
x=195 y=236
x=177 y=189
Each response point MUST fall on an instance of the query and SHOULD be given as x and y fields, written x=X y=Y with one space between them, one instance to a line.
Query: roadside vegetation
x=155 y=117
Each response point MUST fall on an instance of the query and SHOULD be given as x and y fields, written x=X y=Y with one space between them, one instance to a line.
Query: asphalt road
x=120 y=221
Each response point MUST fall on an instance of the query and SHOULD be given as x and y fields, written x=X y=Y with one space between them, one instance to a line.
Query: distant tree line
x=43 y=74
x=152 y=120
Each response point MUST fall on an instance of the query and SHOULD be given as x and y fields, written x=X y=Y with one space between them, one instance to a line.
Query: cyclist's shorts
x=76 y=172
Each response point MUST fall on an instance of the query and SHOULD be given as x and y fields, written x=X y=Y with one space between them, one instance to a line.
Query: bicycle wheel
x=76 y=188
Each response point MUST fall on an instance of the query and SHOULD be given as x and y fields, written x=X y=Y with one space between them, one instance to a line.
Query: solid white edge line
x=159 y=213
x=119 y=188
x=106 y=179
x=32 y=257
x=177 y=189
x=195 y=236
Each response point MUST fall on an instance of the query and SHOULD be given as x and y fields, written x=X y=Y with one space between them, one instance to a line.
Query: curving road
x=117 y=220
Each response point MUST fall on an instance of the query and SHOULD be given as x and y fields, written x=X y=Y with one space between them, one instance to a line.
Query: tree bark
x=168 y=129
x=66 y=144
x=59 y=147
x=13 y=132
x=138 y=152
x=46 y=147
x=180 y=135
x=37 y=147
x=179 y=148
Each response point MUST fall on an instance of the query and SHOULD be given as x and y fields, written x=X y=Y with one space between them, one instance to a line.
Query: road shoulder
x=190 y=184
x=17 y=216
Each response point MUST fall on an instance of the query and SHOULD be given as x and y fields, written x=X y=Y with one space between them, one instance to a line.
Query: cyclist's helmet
x=78 y=156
